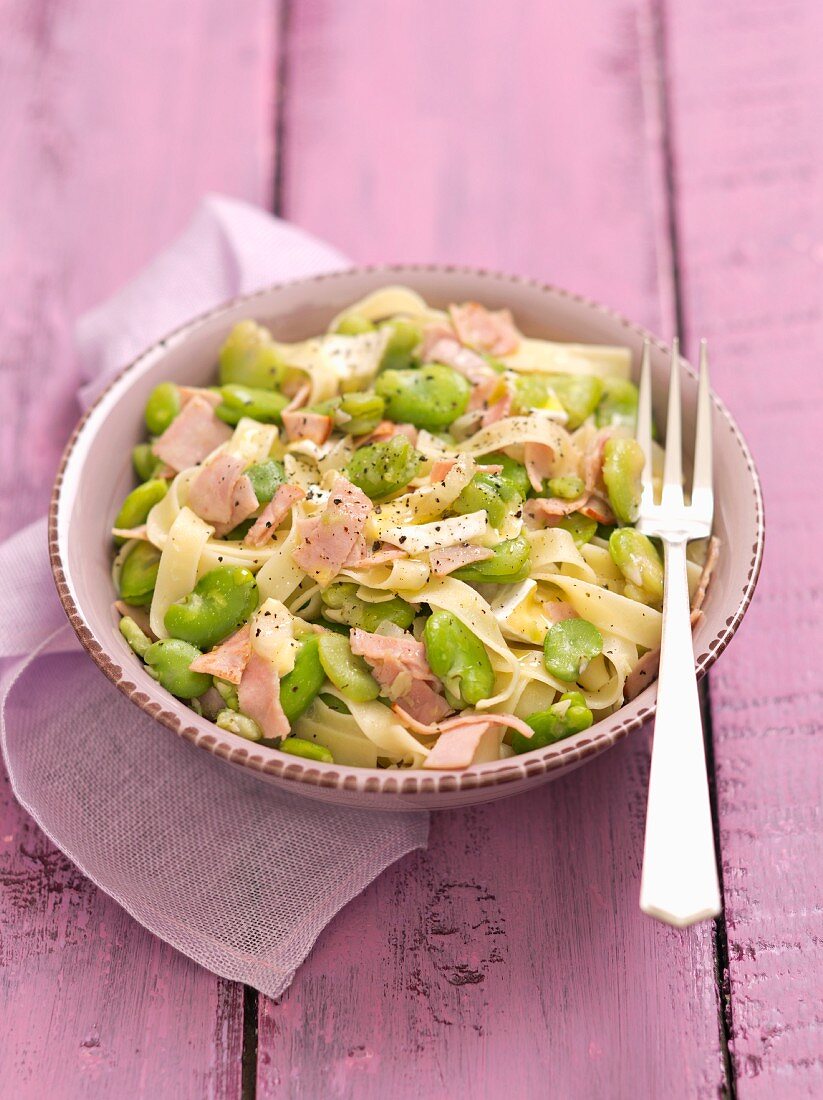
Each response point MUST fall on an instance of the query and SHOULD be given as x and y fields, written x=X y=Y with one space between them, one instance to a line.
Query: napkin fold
x=240 y=876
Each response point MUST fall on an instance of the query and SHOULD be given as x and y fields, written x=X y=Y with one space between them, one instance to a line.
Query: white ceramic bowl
x=95 y=475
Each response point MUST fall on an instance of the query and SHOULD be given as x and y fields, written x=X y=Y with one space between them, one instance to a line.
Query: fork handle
x=679 y=884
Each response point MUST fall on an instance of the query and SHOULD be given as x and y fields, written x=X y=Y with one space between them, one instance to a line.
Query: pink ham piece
x=362 y=557
x=273 y=515
x=498 y=411
x=139 y=614
x=299 y=399
x=222 y=494
x=387 y=429
x=593 y=461
x=462 y=720
x=188 y=392
x=456 y=748
x=400 y=667
x=538 y=459
x=327 y=540
x=445 y=561
x=440 y=468
x=193 y=434
x=307 y=425
x=712 y=554
x=227 y=660
x=489 y=330
x=440 y=346
x=597 y=508
x=556 y=611
x=548 y=511
x=259 y=697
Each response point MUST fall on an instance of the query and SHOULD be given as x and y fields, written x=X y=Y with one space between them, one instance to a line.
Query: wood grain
x=747 y=98
x=116 y=118
x=510 y=958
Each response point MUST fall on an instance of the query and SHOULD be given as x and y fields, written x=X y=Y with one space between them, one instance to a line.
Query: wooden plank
x=510 y=958
x=116 y=119
x=746 y=97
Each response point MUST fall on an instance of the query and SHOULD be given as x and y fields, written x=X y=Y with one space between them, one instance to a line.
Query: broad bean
x=297 y=746
x=341 y=598
x=299 y=688
x=138 y=574
x=162 y=407
x=567 y=487
x=567 y=716
x=349 y=673
x=240 y=724
x=266 y=478
x=510 y=564
x=137 y=505
x=168 y=662
x=458 y=658
x=354 y=324
x=383 y=468
x=514 y=474
x=486 y=492
x=535 y=391
x=431 y=396
x=637 y=559
x=228 y=693
x=569 y=646
x=250 y=357
x=135 y=637
x=580 y=527
x=359 y=413
x=578 y=394
x=623 y=462
x=144 y=461
x=618 y=405
x=239 y=401
x=222 y=600
x=404 y=338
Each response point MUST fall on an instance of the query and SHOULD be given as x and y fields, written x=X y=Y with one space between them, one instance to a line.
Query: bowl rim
x=412 y=781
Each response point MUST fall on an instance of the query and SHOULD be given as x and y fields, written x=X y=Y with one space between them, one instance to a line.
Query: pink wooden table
x=664 y=156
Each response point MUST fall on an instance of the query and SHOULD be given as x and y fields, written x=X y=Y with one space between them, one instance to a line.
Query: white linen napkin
x=236 y=874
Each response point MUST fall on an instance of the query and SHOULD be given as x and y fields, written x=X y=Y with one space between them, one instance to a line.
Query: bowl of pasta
x=370 y=535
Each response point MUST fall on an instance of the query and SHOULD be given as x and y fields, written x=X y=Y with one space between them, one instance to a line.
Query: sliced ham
x=445 y=561
x=489 y=330
x=273 y=515
x=139 y=614
x=222 y=494
x=259 y=697
x=646 y=669
x=387 y=429
x=327 y=540
x=548 y=511
x=299 y=400
x=365 y=555
x=597 y=508
x=539 y=460
x=432 y=730
x=314 y=426
x=193 y=434
x=400 y=667
x=441 y=346
x=188 y=392
x=440 y=468
x=556 y=611
x=593 y=461
x=456 y=748
x=227 y=660
x=498 y=411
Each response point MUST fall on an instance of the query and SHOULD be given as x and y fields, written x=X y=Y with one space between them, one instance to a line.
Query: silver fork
x=679 y=884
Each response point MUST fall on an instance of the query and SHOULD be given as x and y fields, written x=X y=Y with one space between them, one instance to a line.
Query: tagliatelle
x=368 y=648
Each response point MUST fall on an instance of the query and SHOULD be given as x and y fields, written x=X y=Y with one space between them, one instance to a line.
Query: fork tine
x=672 y=469
x=702 y=481
x=644 y=426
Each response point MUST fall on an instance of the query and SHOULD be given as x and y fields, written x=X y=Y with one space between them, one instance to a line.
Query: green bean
x=579 y=395
x=250 y=357
x=240 y=724
x=300 y=687
x=623 y=462
x=222 y=600
x=297 y=746
x=383 y=468
x=567 y=716
x=567 y=487
x=569 y=646
x=459 y=659
x=138 y=641
x=349 y=674
x=618 y=405
x=580 y=527
x=228 y=693
x=404 y=338
x=341 y=598
x=138 y=574
x=359 y=413
x=168 y=662
x=135 y=508
x=145 y=461
x=431 y=396
x=353 y=324
x=266 y=478
x=239 y=401
x=162 y=407
x=514 y=475
x=510 y=564
x=636 y=558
